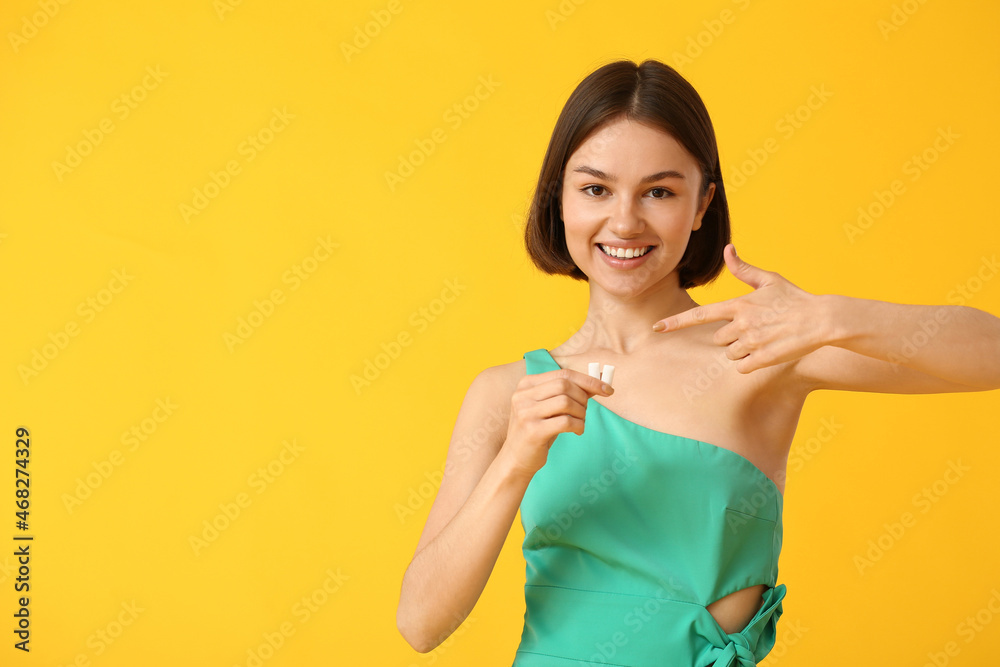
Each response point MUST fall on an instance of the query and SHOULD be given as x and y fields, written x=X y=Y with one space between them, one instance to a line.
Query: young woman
x=652 y=512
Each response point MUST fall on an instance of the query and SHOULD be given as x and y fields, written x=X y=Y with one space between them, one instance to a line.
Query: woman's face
x=632 y=190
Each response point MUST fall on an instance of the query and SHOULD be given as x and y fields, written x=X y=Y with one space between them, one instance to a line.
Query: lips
x=640 y=253
x=622 y=252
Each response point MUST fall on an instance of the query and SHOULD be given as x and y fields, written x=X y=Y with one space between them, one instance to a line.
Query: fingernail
x=659 y=326
x=608 y=389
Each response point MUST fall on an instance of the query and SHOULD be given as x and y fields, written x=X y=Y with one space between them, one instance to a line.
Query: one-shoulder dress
x=630 y=533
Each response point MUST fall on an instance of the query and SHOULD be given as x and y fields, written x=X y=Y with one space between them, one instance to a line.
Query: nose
x=626 y=219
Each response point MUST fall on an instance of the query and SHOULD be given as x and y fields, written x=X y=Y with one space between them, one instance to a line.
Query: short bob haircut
x=652 y=93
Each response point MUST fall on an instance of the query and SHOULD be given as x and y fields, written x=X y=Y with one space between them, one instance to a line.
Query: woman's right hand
x=543 y=406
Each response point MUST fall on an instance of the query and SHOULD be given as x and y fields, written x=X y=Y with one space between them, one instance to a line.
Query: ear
x=703 y=206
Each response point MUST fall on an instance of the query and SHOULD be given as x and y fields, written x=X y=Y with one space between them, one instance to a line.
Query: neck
x=623 y=323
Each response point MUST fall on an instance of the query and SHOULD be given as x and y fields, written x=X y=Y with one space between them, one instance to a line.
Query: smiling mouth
x=624 y=253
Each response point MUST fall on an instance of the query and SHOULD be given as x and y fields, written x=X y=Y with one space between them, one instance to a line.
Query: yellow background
x=365 y=452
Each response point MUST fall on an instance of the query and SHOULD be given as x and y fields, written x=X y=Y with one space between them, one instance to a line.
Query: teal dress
x=629 y=533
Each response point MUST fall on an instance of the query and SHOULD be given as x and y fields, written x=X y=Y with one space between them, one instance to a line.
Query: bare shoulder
x=490 y=392
x=502 y=377
x=482 y=419
x=753 y=413
x=709 y=363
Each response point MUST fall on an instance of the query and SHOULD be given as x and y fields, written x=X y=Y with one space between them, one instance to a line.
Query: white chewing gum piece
x=608 y=373
x=594 y=370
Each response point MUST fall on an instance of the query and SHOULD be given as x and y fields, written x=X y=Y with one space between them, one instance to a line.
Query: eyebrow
x=597 y=173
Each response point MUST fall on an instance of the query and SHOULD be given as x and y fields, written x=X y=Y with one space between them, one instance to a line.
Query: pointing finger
x=712 y=312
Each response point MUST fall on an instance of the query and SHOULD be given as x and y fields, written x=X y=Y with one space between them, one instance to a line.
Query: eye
x=590 y=190
x=663 y=193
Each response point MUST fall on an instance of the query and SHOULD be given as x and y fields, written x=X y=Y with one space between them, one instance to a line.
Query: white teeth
x=625 y=253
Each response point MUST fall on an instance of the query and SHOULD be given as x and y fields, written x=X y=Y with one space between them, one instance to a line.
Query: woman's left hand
x=775 y=323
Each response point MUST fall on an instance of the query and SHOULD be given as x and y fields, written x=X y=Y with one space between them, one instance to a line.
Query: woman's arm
x=502 y=436
x=839 y=342
x=898 y=348
x=469 y=521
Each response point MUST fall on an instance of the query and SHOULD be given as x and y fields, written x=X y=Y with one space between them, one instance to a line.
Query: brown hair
x=651 y=93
